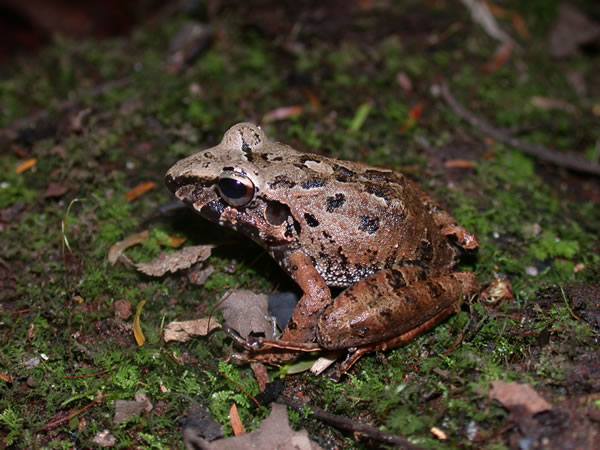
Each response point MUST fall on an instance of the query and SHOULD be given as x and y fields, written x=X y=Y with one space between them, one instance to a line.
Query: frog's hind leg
x=396 y=341
x=391 y=305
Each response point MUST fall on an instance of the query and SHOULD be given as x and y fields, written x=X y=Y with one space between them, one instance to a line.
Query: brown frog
x=336 y=223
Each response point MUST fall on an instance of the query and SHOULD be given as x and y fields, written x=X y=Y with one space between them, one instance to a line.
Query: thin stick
x=570 y=162
x=346 y=424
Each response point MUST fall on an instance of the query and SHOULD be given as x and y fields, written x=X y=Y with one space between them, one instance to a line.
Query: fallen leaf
x=117 y=249
x=547 y=103
x=199 y=274
x=312 y=99
x=285 y=112
x=137 y=329
x=502 y=55
x=518 y=394
x=570 y=30
x=6 y=378
x=236 y=423
x=26 y=165
x=459 y=164
x=274 y=432
x=55 y=190
x=104 y=439
x=122 y=309
x=200 y=425
x=175 y=242
x=139 y=190
x=247 y=312
x=184 y=331
x=414 y=114
x=124 y=409
x=173 y=262
x=261 y=375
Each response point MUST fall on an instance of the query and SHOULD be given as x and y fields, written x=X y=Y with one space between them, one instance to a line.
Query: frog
x=369 y=232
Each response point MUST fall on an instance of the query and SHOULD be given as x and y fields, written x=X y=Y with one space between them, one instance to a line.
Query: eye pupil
x=235 y=189
x=231 y=188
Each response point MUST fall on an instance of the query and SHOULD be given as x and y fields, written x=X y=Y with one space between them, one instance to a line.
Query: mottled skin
x=334 y=223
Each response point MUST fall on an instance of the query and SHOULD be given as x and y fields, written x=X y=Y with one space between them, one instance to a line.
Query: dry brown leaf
x=137 y=328
x=571 y=29
x=459 y=164
x=124 y=409
x=55 y=190
x=236 y=423
x=518 y=394
x=175 y=242
x=6 y=378
x=285 y=112
x=173 y=262
x=502 y=55
x=247 y=312
x=139 y=190
x=184 y=331
x=26 y=165
x=117 y=249
x=274 y=432
x=261 y=375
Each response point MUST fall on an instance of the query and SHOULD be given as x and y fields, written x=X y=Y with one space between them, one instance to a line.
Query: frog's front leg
x=300 y=332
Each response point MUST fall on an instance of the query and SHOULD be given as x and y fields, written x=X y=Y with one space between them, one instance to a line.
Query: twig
x=570 y=162
x=53 y=424
x=346 y=424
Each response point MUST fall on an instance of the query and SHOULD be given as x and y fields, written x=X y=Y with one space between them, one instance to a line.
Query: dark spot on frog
x=379 y=175
x=378 y=191
x=335 y=202
x=228 y=169
x=294 y=268
x=311 y=220
x=395 y=279
x=425 y=251
x=436 y=289
x=267 y=157
x=247 y=151
x=385 y=313
x=276 y=213
x=306 y=158
x=326 y=235
x=281 y=181
x=362 y=331
x=209 y=155
x=343 y=172
x=409 y=299
x=369 y=224
x=213 y=210
x=313 y=183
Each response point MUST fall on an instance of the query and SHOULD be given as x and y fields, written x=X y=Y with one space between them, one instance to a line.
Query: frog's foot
x=274 y=352
x=463 y=238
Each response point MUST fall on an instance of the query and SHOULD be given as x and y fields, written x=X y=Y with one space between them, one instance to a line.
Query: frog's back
x=354 y=220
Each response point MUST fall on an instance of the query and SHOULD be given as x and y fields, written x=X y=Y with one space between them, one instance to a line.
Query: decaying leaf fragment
x=274 y=432
x=518 y=394
x=184 y=331
x=247 y=312
x=117 y=249
x=183 y=259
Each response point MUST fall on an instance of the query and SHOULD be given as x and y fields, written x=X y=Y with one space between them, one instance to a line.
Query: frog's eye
x=236 y=189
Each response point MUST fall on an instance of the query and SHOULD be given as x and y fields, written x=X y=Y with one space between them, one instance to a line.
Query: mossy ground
x=529 y=217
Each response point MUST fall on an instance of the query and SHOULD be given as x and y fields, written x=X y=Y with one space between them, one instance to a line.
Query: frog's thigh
x=385 y=305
